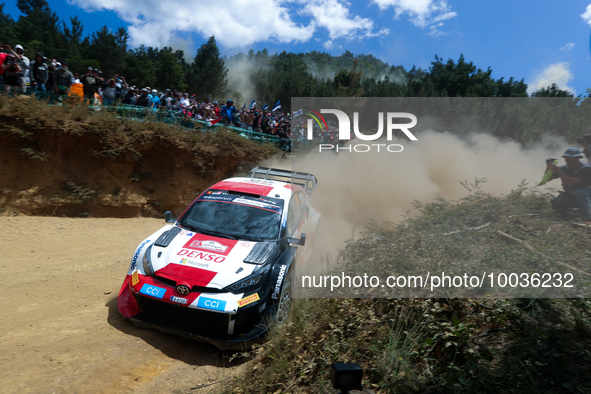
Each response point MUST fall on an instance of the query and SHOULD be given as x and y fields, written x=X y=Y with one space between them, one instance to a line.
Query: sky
x=540 y=41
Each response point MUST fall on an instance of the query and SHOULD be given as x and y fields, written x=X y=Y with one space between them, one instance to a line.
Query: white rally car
x=222 y=272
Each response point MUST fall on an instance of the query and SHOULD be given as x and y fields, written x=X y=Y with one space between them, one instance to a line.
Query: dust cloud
x=356 y=189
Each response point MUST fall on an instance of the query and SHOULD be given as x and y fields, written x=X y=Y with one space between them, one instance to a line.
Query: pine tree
x=208 y=74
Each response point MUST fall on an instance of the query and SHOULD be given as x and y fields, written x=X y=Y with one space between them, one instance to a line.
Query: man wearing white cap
x=576 y=181
x=24 y=62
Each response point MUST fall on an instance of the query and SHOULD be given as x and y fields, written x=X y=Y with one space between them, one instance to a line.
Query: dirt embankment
x=64 y=161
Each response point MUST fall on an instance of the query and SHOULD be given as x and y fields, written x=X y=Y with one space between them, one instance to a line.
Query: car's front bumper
x=227 y=331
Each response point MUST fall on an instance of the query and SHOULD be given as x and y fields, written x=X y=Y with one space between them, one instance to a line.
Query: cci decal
x=135 y=279
x=249 y=300
x=153 y=291
x=178 y=300
x=277 y=289
x=210 y=303
x=137 y=254
x=200 y=255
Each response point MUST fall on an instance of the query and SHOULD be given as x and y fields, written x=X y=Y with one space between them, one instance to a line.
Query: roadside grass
x=445 y=344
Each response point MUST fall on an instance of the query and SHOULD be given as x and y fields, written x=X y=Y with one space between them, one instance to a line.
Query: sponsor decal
x=153 y=291
x=216 y=198
x=264 y=181
x=208 y=243
x=137 y=254
x=240 y=270
x=262 y=307
x=216 y=258
x=209 y=192
x=264 y=203
x=135 y=279
x=255 y=203
x=277 y=289
x=187 y=232
x=248 y=300
x=245 y=244
x=211 y=303
x=178 y=300
x=193 y=263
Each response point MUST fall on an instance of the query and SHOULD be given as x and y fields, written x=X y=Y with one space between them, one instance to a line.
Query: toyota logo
x=183 y=290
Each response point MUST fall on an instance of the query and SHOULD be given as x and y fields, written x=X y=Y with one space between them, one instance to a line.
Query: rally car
x=222 y=272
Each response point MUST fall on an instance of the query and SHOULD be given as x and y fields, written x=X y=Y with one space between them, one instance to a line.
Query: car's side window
x=293 y=214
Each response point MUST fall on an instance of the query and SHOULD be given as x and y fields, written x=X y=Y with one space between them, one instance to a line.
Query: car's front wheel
x=284 y=304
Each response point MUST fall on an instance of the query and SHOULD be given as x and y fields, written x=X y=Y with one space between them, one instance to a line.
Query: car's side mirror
x=168 y=217
x=298 y=242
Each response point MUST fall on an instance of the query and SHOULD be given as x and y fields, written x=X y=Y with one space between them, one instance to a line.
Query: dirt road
x=60 y=331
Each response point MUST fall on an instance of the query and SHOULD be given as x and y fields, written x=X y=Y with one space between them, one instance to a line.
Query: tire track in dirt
x=60 y=331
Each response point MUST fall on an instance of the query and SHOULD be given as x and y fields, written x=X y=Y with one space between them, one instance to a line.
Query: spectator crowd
x=44 y=76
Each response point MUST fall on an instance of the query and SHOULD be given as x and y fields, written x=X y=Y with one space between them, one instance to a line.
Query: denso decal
x=194 y=263
x=211 y=303
x=152 y=291
x=137 y=254
x=249 y=300
x=208 y=243
x=178 y=300
x=277 y=289
x=200 y=255
x=135 y=279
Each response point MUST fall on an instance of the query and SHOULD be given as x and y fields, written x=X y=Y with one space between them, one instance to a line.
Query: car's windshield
x=220 y=213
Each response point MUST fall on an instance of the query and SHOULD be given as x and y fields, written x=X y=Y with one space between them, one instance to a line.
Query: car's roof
x=262 y=187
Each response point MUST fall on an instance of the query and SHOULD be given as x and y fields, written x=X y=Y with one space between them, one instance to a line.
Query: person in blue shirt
x=228 y=112
x=155 y=100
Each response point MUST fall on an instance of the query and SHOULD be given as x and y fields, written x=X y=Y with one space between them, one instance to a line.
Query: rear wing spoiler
x=307 y=181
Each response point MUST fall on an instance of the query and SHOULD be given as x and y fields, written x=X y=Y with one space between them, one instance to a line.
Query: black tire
x=285 y=302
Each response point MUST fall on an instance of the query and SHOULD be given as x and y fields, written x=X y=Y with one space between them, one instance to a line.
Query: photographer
x=576 y=181
x=12 y=74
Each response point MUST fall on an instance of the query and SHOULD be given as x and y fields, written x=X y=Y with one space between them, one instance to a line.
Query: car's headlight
x=147 y=262
x=244 y=284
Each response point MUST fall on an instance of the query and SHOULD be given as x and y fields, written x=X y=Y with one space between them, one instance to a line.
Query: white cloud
x=335 y=17
x=558 y=73
x=423 y=13
x=587 y=15
x=568 y=47
x=235 y=23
